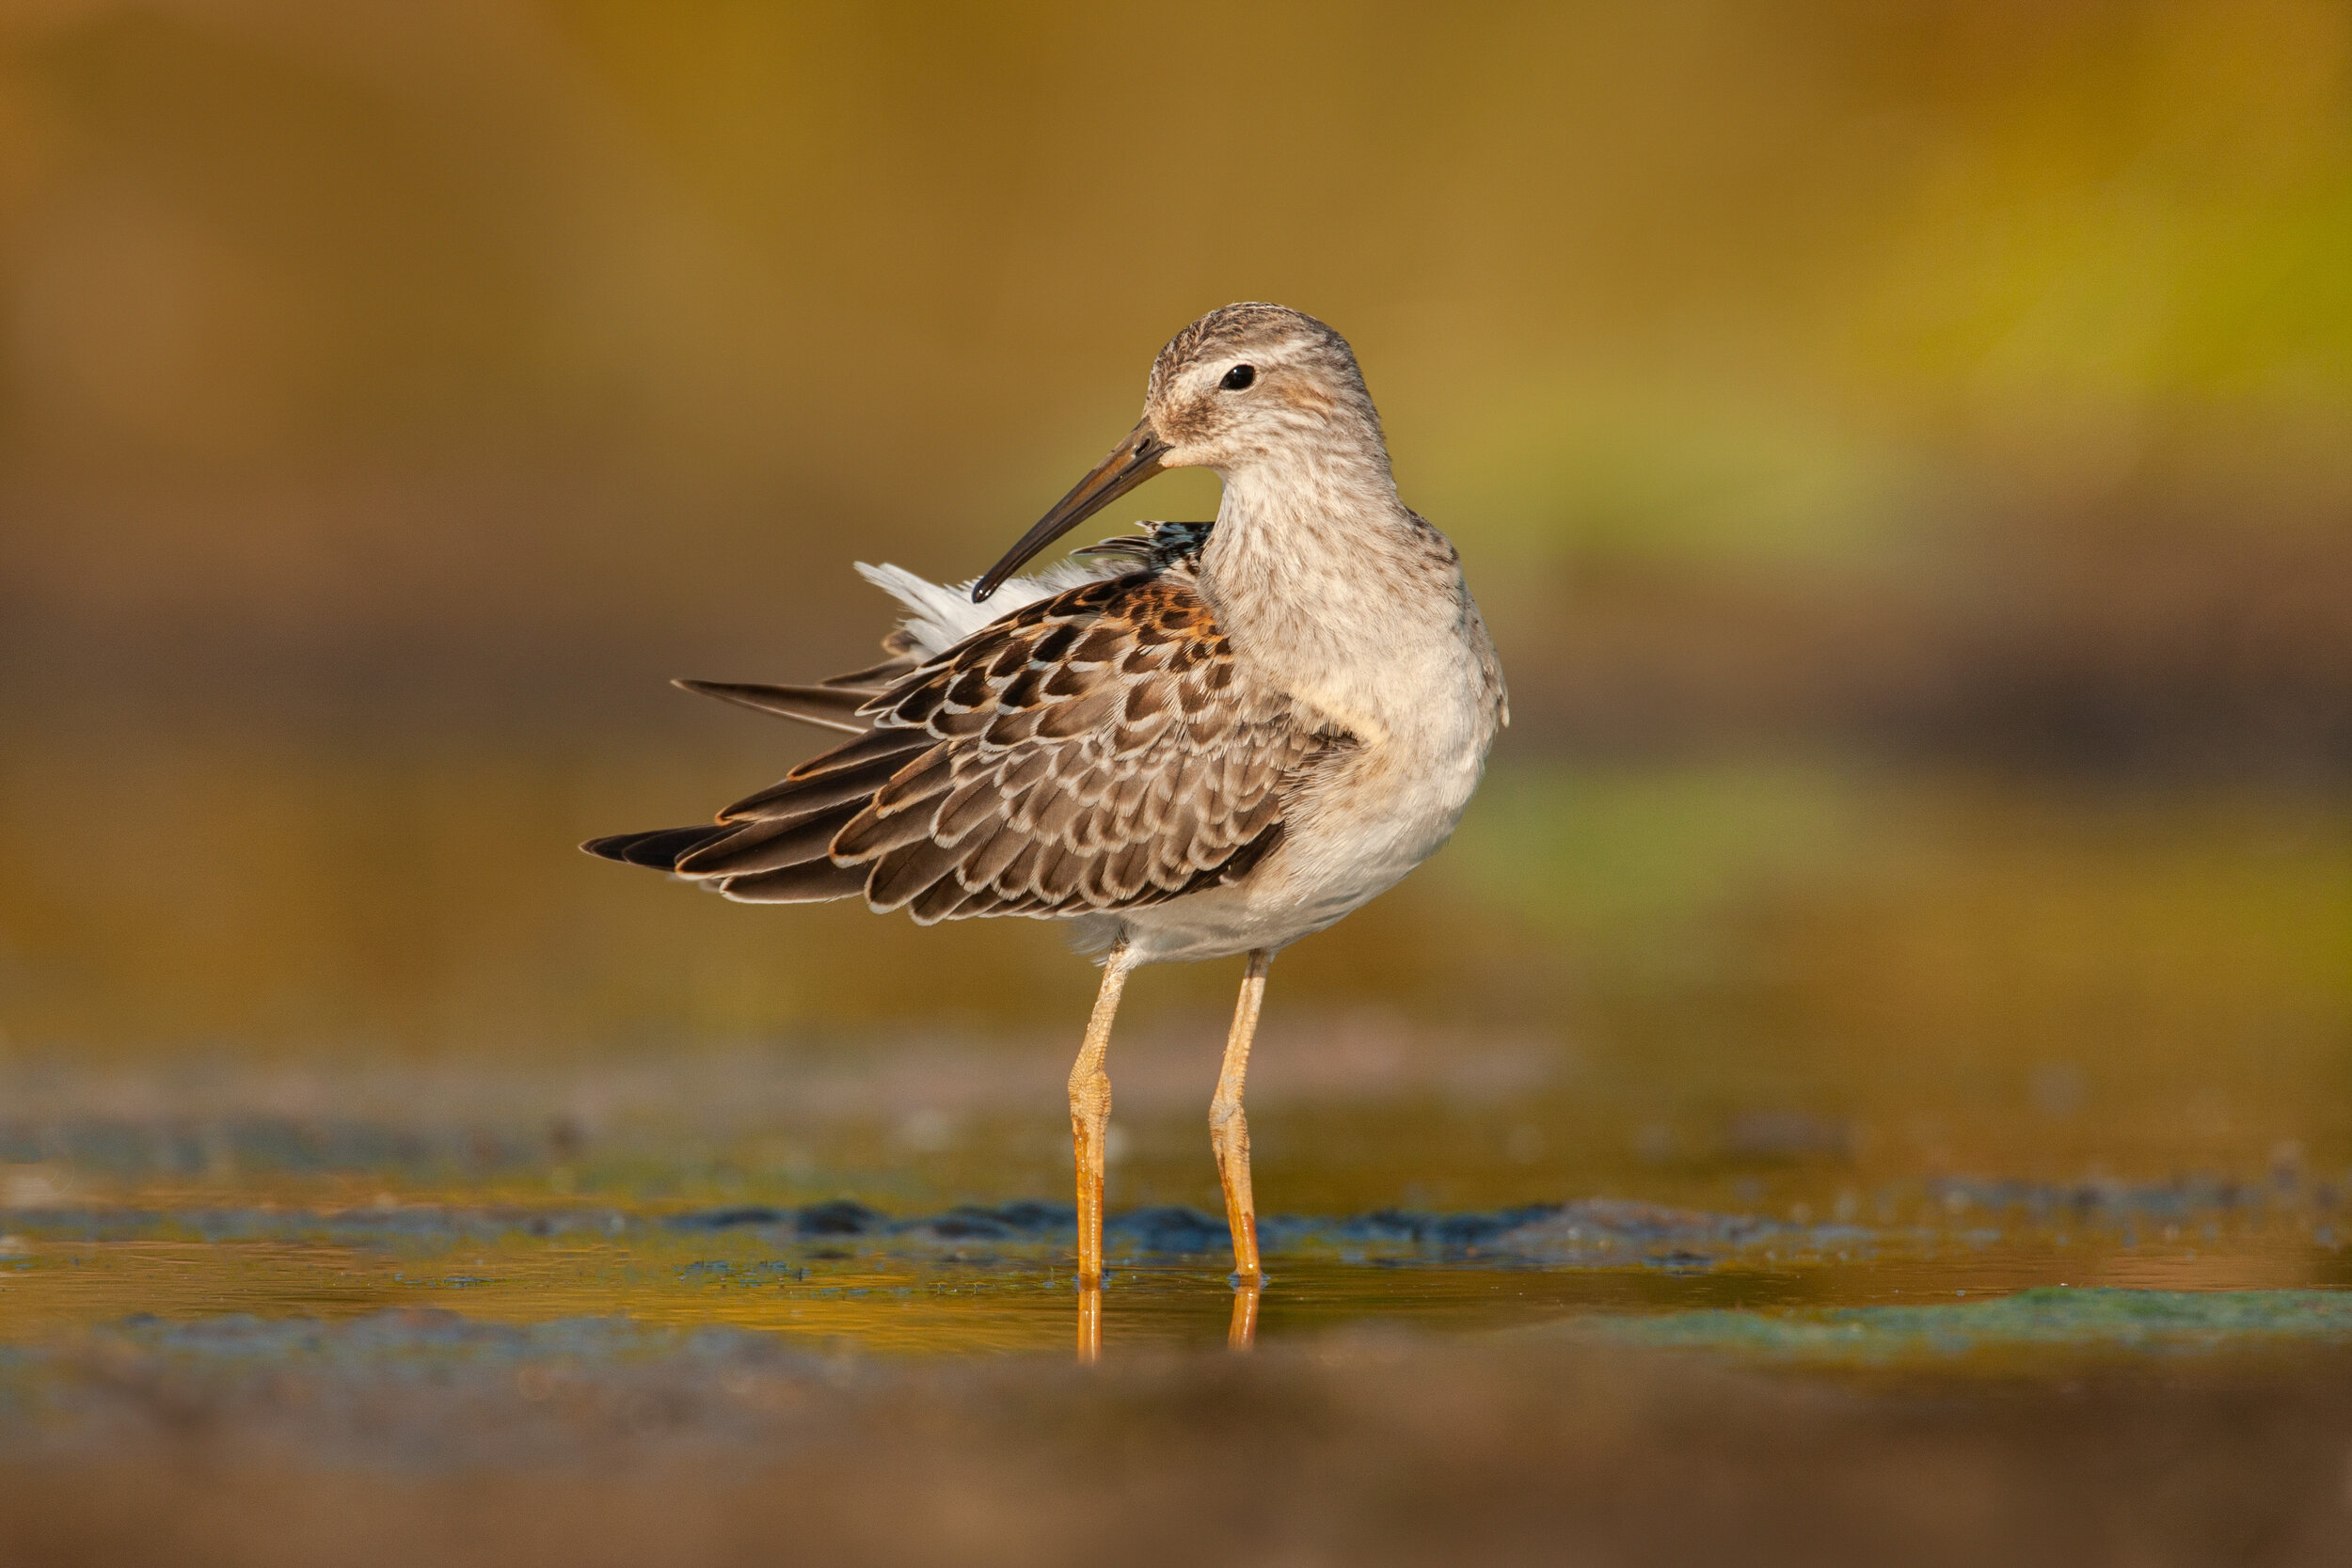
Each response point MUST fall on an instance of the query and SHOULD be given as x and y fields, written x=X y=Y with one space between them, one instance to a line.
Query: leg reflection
x=1089 y=1322
x=1244 y=1334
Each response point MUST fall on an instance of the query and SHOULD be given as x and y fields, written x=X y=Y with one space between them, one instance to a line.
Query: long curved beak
x=1133 y=460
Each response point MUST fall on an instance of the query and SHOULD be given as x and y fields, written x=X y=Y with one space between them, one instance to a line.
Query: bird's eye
x=1239 y=377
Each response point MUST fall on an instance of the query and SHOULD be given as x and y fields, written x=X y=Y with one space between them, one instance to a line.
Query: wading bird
x=1206 y=741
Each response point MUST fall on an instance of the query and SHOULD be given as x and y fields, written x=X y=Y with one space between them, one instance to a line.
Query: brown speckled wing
x=1094 y=751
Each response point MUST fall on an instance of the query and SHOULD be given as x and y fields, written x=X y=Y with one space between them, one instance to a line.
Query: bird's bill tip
x=1133 y=460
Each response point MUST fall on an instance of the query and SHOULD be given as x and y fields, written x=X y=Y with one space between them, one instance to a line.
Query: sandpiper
x=1205 y=741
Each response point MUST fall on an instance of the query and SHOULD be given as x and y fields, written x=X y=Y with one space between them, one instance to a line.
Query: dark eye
x=1239 y=377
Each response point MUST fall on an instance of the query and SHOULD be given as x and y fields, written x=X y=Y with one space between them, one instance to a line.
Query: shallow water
x=992 y=1278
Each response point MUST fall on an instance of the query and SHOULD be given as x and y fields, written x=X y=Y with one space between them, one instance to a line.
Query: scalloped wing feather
x=1088 y=754
x=1091 y=753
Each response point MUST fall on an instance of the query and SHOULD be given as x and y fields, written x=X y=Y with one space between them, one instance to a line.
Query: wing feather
x=831 y=707
x=810 y=882
x=803 y=796
x=769 y=846
x=1093 y=751
x=659 y=848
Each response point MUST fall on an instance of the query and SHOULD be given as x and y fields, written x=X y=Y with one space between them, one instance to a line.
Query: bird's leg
x=1229 y=1131
x=1091 y=1115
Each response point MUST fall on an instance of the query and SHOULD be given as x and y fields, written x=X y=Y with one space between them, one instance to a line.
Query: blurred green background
x=1905 y=452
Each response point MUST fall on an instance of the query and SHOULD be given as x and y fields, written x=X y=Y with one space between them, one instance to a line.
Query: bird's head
x=1245 y=385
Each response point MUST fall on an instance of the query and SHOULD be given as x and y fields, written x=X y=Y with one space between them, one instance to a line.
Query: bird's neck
x=1317 y=572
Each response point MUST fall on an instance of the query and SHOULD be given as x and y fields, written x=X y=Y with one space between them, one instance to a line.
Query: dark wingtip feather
x=661 y=849
x=827 y=707
x=818 y=881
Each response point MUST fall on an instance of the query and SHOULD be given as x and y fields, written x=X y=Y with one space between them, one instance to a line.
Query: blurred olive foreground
x=1904 y=453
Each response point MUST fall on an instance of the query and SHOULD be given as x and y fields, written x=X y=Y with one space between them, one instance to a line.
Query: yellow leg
x=1091 y=1115
x=1229 y=1130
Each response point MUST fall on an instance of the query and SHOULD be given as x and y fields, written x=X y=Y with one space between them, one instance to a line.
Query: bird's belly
x=1353 y=841
x=1366 y=831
